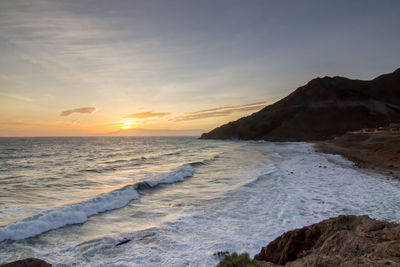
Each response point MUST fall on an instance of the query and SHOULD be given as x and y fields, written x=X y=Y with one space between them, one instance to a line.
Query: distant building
x=367 y=130
x=382 y=129
x=394 y=127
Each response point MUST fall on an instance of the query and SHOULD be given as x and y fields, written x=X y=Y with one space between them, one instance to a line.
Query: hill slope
x=321 y=109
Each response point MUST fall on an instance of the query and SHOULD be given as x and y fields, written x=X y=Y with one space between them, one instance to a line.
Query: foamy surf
x=69 y=214
x=79 y=212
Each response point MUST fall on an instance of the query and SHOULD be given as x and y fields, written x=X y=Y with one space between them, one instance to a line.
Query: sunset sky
x=91 y=67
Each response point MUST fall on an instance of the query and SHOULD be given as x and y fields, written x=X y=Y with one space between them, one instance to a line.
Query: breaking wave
x=79 y=212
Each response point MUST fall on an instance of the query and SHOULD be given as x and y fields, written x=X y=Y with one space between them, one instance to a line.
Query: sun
x=127 y=124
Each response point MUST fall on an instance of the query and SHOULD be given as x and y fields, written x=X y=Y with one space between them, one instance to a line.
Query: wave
x=173 y=153
x=125 y=160
x=79 y=212
x=146 y=156
x=112 y=165
x=179 y=175
x=204 y=162
x=69 y=214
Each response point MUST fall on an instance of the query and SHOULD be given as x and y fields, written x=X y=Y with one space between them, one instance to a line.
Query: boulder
x=340 y=241
x=30 y=262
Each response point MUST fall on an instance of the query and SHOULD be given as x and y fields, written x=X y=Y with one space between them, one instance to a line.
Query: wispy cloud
x=17 y=97
x=85 y=110
x=145 y=115
x=220 y=112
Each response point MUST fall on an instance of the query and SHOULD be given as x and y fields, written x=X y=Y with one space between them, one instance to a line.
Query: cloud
x=145 y=115
x=220 y=112
x=17 y=97
x=86 y=110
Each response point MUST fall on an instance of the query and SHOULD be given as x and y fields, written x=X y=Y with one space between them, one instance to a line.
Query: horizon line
x=41 y=136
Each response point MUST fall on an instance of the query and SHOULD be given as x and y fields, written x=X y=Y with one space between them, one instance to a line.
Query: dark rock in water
x=30 y=262
x=123 y=242
x=320 y=110
x=340 y=241
x=221 y=253
x=142 y=185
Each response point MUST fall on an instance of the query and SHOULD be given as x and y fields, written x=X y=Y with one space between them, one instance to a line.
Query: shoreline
x=358 y=144
x=376 y=152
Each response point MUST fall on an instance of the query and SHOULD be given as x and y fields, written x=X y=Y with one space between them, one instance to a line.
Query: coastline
x=298 y=157
x=379 y=152
x=345 y=240
x=340 y=241
x=349 y=240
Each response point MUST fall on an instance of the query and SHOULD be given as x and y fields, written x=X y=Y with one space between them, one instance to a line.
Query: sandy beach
x=376 y=151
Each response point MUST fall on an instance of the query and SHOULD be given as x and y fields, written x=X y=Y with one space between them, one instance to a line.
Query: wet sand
x=376 y=151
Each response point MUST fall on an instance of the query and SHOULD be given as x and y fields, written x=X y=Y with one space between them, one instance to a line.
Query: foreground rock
x=320 y=110
x=31 y=262
x=340 y=241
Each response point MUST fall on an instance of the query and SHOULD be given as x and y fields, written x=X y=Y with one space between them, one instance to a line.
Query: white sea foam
x=176 y=176
x=69 y=214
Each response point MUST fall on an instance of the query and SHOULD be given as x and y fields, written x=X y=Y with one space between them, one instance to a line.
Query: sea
x=171 y=201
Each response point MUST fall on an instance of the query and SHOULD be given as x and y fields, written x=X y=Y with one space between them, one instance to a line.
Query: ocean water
x=170 y=201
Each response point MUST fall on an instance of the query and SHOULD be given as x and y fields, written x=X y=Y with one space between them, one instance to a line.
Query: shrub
x=235 y=260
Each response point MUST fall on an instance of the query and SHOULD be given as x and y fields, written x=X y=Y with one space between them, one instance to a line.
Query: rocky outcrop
x=340 y=241
x=321 y=109
x=30 y=262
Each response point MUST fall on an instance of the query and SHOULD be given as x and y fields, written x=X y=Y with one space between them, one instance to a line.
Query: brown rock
x=340 y=241
x=30 y=262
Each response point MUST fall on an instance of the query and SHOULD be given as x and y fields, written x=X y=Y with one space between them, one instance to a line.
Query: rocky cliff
x=321 y=109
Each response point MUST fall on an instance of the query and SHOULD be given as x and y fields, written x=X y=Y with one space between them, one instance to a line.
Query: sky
x=88 y=67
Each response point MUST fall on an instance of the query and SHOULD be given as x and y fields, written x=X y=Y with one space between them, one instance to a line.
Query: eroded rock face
x=340 y=241
x=30 y=262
